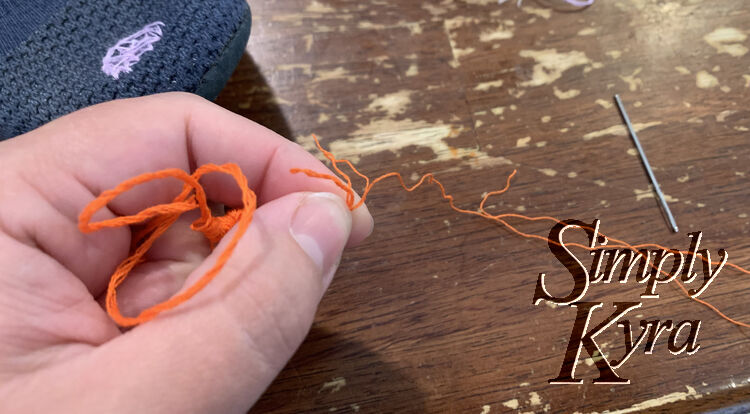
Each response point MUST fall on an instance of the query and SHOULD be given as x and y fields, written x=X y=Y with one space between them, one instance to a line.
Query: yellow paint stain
x=523 y=142
x=614 y=54
x=502 y=32
x=727 y=40
x=413 y=27
x=482 y=160
x=485 y=86
x=723 y=115
x=603 y=103
x=649 y=193
x=295 y=18
x=459 y=53
x=594 y=65
x=546 y=119
x=512 y=404
x=632 y=80
x=516 y=93
x=317 y=7
x=534 y=399
x=548 y=172
x=388 y=135
x=657 y=402
x=413 y=70
x=340 y=72
x=393 y=103
x=550 y=64
x=543 y=13
x=705 y=80
x=433 y=9
x=619 y=130
x=333 y=385
x=587 y=31
x=308 y=38
x=305 y=67
x=562 y=95
x=683 y=70
x=458 y=21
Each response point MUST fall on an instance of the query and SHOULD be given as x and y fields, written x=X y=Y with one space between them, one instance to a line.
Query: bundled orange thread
x=159 y=218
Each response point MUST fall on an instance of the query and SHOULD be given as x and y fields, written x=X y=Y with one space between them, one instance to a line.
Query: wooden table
x=434 y=312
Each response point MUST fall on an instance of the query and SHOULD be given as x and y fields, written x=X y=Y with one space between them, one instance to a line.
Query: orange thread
x=158 y=218
x=498 y=218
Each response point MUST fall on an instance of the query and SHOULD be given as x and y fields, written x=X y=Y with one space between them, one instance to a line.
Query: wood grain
x=434 y=312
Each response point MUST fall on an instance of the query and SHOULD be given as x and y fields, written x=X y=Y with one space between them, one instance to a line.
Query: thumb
x=219 y=351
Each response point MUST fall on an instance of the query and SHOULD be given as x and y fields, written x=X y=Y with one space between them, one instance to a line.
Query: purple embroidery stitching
x=577 y=3
x=127 y=52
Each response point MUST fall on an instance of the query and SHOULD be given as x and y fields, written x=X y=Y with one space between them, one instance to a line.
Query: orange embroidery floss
x=158 y=218
x=498 y=218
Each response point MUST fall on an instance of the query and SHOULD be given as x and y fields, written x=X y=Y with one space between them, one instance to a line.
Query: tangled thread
x=158 y=218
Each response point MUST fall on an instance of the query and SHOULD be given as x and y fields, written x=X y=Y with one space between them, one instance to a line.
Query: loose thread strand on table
x=498 y=218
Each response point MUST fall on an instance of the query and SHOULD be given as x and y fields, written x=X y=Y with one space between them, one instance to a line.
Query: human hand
x=59 y=351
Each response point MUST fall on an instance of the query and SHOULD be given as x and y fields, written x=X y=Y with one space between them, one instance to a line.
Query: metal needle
x=651 y=176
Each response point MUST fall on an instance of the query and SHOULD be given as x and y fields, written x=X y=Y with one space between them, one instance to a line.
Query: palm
x=54 y=277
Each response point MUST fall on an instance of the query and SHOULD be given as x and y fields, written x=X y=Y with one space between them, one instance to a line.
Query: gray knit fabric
x=58 y=69
x=19 y=19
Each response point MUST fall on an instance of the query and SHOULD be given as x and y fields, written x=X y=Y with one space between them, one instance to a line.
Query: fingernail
x=321 y=226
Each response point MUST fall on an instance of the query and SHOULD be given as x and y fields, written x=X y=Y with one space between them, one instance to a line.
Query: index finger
x=65 y=164
x=121 y=139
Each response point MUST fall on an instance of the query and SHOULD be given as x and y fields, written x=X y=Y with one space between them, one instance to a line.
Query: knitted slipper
x=77 y=53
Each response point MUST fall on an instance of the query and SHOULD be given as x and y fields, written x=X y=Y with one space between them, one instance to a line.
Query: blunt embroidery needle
x=646 y=165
